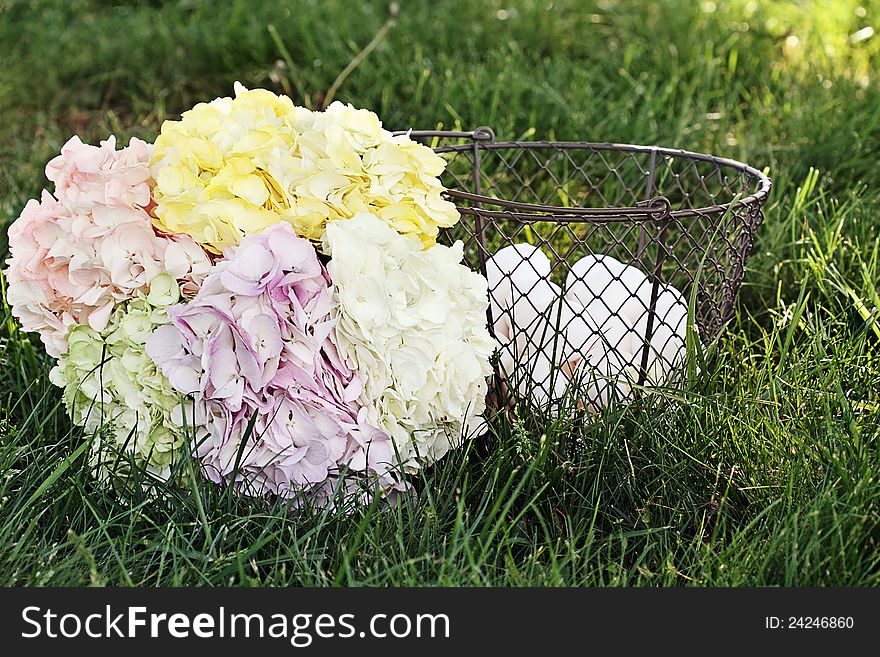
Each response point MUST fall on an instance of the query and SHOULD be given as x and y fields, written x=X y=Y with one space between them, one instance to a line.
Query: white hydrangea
x=111 y=385
x=413 y=324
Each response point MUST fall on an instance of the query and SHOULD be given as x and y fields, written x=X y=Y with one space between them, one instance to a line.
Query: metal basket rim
x=653 y=209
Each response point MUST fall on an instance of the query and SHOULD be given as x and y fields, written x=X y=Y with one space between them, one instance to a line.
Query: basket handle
x=481 y=134
x=656 y=208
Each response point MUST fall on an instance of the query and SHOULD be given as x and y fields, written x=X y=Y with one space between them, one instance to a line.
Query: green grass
x=764 y=470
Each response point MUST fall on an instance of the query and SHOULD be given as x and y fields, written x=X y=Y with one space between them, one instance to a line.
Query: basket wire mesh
x=636 y=238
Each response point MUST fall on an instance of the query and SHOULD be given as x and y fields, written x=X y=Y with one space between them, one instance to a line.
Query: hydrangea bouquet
x=261 y=291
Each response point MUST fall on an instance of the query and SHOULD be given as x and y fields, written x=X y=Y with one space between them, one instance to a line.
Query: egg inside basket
x=597 y=255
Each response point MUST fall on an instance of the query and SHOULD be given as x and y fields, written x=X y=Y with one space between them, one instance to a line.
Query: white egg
x=530 y=361
x=592 y=336
x=536 y=316
x=535 y=378
x=673 y=313
x=618 y=298
x=513 y=257
x=605 y=286
x=507 y=361
x=583 y=336
x=545 y=383
x=515 y=268
x=512 y=272
x=600 y=378
x=524 y=327
x=668 y=341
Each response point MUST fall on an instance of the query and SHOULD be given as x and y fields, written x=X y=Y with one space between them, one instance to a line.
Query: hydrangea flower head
x=273 y=397
x=87 y=176
x=413 y=323
x=232 y=167
x=110 y=382
x=75 y=257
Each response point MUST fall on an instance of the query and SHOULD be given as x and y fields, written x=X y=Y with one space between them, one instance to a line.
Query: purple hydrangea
x=256 y=349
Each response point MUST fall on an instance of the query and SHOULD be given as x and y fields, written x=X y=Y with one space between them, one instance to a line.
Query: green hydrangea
x=113 y=388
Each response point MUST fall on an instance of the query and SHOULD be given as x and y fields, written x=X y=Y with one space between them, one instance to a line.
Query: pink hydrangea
x=75 y=257
x=256 y=348
x=86 y=176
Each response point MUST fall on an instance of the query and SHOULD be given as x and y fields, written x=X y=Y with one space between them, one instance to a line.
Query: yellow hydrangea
x=232 y=167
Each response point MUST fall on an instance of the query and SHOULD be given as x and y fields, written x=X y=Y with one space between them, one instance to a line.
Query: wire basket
x=618 y=245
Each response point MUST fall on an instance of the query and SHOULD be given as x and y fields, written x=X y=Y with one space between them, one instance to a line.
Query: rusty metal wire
x=685 y=221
